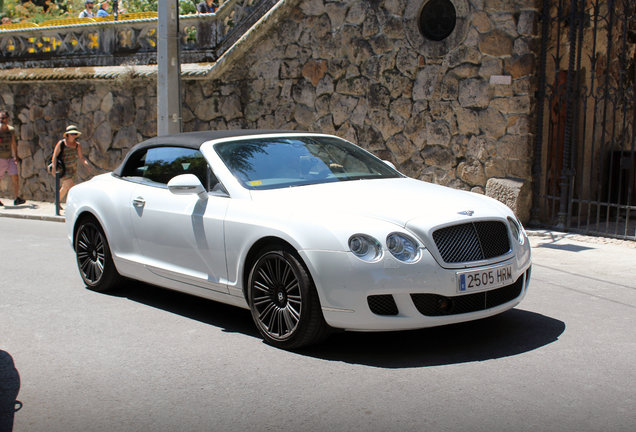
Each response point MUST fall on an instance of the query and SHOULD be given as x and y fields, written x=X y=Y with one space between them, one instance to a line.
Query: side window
x=160 y=164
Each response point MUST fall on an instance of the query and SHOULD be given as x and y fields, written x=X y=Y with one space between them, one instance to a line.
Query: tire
x=283 y=300
x=94 y=260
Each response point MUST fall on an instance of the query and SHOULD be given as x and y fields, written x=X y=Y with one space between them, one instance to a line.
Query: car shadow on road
x=229 y=318
x=511 y=333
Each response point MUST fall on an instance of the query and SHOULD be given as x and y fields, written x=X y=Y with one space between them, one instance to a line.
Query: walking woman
x=9 y=155
x=69 y=150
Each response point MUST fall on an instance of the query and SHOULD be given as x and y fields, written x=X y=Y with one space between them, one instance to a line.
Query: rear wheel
x=94 y=259
x=283 y=300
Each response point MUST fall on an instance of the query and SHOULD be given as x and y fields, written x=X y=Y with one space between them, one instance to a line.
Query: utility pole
x=169 y=69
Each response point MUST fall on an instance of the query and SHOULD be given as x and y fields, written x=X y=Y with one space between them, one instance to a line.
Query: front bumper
x=391 y=295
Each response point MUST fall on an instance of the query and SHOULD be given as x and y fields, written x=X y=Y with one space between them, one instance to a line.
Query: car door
x=178 y=237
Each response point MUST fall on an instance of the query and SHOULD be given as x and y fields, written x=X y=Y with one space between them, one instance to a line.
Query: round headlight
x=365 y=247
x=403 y=247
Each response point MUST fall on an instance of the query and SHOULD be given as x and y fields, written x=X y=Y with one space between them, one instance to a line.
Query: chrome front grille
x=473 y=241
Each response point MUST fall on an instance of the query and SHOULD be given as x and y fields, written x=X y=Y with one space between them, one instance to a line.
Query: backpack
x=61 y=169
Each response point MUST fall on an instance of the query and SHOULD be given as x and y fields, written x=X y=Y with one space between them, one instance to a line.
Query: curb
x=34 y=217
x=550 y=236
x=34 y=210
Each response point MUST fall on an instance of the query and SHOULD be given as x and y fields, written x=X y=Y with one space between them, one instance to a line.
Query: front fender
x=247 y=224
x=105 y=198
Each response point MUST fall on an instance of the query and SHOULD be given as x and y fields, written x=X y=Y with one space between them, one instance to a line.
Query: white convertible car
x=308 y=231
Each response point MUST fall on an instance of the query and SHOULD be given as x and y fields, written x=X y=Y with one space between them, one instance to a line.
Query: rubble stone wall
x=112 y=115
x=455 y=112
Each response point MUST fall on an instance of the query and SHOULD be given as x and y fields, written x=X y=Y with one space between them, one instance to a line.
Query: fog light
x=445 y=305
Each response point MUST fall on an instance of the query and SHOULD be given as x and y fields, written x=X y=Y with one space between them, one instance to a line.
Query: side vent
x=383 y=304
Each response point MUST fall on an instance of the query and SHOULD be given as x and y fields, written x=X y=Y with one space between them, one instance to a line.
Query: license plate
x=480 y=280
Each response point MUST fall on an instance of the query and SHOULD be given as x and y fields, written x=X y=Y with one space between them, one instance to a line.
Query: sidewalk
x=30 y=210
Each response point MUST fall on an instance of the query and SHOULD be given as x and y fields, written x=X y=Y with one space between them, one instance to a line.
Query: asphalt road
x=153 y=360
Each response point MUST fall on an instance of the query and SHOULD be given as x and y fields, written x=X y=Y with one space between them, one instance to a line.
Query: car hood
x=398 y=201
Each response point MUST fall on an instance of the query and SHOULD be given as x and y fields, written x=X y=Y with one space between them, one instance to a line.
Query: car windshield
x=271 y=163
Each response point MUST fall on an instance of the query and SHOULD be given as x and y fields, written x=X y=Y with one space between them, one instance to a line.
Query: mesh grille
x=472 y=241
x=437 y=305
x=382 y=304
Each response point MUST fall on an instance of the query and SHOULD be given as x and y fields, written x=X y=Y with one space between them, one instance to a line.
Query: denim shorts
x=8 y=166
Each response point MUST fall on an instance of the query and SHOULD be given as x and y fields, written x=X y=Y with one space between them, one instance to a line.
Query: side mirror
x=389 y=163
x=186 y=184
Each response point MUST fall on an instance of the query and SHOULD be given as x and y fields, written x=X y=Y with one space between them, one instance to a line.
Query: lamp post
x=168 y=69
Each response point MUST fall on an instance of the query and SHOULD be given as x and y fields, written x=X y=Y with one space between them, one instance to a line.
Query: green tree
x=37 y=11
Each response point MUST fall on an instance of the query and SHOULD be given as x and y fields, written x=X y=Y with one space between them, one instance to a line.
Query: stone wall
x=348 y=68
x=112 y=115
x=455 y=112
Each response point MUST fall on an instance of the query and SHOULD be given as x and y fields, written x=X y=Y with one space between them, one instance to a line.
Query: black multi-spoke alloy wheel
x=94 y=260
x=283 y=300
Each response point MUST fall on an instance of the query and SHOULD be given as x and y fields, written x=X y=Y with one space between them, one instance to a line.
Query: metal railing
x=585 y=155
x=132 y=39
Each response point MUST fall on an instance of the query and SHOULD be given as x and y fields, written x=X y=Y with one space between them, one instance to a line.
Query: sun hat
x=72 y=130
x=89 y=1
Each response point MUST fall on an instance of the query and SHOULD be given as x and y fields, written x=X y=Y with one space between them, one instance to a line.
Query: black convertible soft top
x=194 y=140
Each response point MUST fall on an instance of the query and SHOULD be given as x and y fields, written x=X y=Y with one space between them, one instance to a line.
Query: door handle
x=139 y=202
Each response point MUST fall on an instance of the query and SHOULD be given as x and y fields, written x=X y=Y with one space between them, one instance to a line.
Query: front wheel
x=94 y=259
x=283 y=300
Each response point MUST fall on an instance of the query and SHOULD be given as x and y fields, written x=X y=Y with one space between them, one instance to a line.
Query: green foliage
x=141 y=6
x=40 y=11
x=37 y=11
x=187 y=7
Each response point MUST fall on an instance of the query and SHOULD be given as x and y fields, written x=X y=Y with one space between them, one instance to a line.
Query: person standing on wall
x=207 y=6
x=71 y=153
x=102 y=12
x=88 y=9
x=9 y=156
